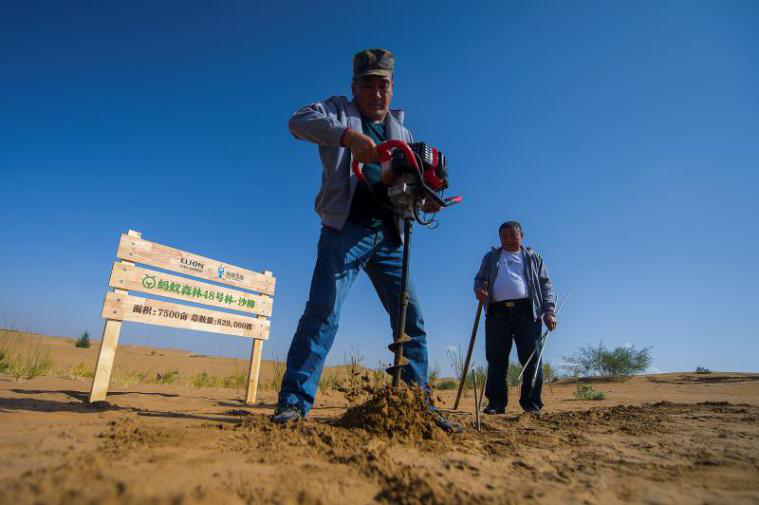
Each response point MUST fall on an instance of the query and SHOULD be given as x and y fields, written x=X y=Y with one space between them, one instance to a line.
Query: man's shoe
x=533 y=412
x=443 y=423
x=491 y=411
x=286 y=414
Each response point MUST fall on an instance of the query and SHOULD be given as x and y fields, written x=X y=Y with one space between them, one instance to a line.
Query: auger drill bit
x=400 y=337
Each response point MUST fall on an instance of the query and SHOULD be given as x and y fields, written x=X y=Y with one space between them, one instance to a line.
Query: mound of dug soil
x=394 y=412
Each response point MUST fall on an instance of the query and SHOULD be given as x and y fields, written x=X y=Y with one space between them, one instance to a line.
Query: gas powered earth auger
x=416 y=176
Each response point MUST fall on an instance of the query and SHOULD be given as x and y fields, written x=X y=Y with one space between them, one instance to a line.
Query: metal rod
x=476 y=402
x=400 y=328
x=469 y=352
x=482 y=392
x=541 y=340
x=543 y=347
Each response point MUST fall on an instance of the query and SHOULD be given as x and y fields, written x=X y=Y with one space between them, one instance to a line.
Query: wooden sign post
x=126 y=277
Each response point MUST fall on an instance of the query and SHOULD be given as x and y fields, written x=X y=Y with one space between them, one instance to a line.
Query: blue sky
x=623 y=135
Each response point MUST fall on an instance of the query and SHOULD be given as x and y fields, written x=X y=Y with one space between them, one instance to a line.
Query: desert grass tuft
x=586 y=392
x=204 y=380
x=327 y=381
x=79 y=371
x=236 y=381
x=278 y=372
x=167 y=377
x=24 y=359
x=124 y=378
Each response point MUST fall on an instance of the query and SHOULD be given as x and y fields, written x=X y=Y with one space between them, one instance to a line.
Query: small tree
x=622 y=361
x=456 y=358
x=83 y=341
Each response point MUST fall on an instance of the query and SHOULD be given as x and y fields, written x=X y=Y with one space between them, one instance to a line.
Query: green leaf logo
x=149 y=281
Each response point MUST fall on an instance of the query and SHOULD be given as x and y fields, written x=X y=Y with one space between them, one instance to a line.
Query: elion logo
x=188 y=264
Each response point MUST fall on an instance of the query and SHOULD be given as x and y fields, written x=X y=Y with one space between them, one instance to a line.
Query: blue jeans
x=341 y=253
x=502 y=326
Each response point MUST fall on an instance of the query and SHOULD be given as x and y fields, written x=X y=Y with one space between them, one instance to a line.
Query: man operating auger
x=359 y=231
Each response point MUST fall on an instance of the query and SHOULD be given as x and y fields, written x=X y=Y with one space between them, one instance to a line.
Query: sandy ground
x=670 y=438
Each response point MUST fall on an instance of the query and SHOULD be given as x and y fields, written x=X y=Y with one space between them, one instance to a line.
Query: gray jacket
x=324 y=123
x=538 y=282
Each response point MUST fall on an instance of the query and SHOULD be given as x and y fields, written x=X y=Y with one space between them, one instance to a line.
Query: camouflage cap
x=373 y=62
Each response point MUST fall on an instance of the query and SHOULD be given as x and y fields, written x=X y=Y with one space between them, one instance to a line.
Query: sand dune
x=669 y=438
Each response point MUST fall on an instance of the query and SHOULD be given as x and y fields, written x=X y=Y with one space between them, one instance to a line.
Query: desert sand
x=667 y=438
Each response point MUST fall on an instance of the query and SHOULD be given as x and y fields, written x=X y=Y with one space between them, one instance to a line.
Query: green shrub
x=702 y=370
x=621 y=361
x=238 y=380
x=203 y=380
x=446 y=384
x=480 y=373
x=586 y=392
x=83 y=341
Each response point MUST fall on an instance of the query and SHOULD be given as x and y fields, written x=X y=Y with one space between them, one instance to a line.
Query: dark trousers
x=502 y=325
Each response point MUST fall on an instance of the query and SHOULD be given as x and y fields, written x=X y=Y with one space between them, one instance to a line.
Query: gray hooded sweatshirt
x=324 y=124
x=539 y=283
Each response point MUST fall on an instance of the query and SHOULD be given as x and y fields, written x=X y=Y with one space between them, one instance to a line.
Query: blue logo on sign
x=221 y=271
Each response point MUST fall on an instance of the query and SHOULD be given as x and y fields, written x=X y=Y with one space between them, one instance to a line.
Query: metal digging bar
x=469 y=352
x=476 y=399
x=540 y=345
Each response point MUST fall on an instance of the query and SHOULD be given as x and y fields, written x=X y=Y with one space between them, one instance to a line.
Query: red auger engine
x=416 y=175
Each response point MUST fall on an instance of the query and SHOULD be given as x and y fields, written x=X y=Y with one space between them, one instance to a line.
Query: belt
x=509 y=303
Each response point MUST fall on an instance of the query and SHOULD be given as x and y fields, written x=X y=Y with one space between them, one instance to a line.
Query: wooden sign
x=120 y=306
x=149 y=253
x=134 y=278
x=145 y=310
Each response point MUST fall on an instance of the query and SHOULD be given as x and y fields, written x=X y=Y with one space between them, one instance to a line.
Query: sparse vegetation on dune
x=83 y=341
x=278 y=372
x=622 y=361
x=79 y=371
x=586 y=392
x=167 y=377
x=446 y=384
x=24 y=360
x=380 y=375
x=327 y=381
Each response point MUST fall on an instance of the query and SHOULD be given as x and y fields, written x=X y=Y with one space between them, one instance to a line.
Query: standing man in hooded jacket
x=517 y=296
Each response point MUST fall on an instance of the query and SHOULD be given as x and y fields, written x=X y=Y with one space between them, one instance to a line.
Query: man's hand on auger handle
x=362 y=147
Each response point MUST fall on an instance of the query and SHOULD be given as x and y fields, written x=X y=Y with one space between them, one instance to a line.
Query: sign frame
x=132 y=248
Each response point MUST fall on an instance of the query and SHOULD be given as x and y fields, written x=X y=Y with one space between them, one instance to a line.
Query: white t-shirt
x=510 y=283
